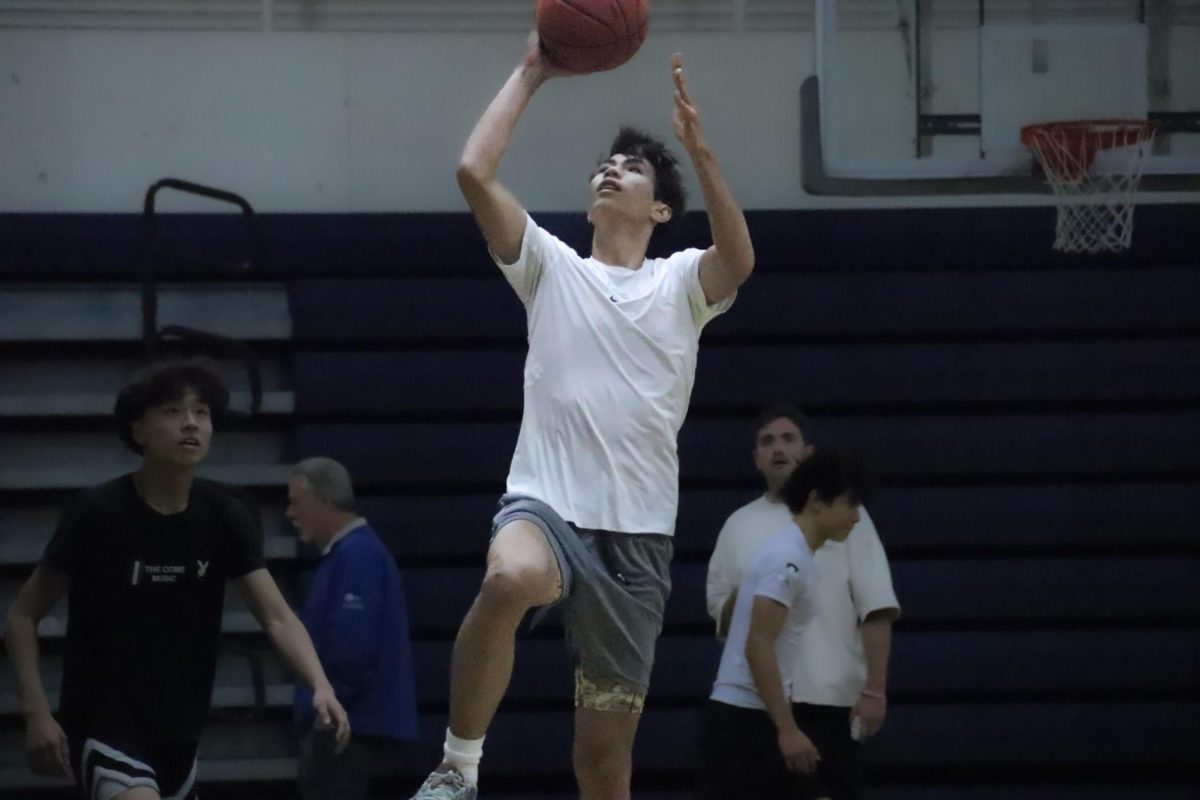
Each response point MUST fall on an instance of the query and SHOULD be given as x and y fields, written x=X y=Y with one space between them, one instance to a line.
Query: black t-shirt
x=146 y=597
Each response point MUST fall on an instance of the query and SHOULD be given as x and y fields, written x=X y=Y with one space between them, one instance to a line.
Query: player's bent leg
x=606 y=720
x=522 y=573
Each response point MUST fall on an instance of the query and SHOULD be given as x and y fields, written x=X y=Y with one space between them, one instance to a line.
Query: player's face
x=835 y=520
x=778 y=448
x=303 y=509
x=625 y=183
x=177 y=432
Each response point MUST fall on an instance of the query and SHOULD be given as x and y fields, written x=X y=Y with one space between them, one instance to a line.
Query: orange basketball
x=582 y=36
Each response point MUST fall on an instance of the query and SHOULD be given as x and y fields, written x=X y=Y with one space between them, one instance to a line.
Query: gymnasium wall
x=364 y=122
x=1034 y=418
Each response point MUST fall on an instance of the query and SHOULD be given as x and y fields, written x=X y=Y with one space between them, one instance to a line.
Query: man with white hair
x=358 y=621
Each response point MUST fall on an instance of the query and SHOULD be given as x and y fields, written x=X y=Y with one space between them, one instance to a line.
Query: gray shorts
x=615 y=587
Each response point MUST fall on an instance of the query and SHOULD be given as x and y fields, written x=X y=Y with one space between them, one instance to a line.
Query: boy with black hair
x=750 y=746
x=144 y=559
x=592 y=492
x=668 y=182
x=839 y=685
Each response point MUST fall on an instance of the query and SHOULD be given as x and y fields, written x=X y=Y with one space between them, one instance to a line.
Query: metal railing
x=216 y=343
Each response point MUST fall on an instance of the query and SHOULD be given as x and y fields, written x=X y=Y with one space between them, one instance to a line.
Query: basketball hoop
x=1094 y=167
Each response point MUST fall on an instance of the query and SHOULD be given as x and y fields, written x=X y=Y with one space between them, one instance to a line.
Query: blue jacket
x=358 y=621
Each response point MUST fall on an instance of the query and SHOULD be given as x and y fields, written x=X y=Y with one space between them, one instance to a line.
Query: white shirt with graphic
x=853 y=579
x=783 y=570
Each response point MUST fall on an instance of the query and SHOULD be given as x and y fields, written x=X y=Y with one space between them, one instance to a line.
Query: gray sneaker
x=448 y=785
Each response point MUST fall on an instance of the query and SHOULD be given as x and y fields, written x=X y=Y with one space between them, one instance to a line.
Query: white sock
x=464 y=755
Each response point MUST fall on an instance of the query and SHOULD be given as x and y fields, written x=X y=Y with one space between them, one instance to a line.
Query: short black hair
x=782 y=411
x=668 y=183
x=830 y=475
x=163 y=382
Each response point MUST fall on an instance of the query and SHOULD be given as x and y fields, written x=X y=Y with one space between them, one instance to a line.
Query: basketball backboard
x=929 y=96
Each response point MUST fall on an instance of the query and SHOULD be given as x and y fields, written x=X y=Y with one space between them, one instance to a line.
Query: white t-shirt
x=853 y=580
x=782 y=569
x=612 y=359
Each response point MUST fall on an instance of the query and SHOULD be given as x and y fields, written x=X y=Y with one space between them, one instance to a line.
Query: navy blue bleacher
x=424 y=380
x=1079 y=518
x=1035 y=419
x=941 y=448
x=289 y=246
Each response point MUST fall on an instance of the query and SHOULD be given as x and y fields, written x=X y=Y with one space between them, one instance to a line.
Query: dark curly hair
x=163 y=382
x=830 y=475
x=668 y=183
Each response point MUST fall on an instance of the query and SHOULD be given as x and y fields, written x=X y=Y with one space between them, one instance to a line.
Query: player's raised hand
x=537 y=62
x=686 y=119
x=46 y=746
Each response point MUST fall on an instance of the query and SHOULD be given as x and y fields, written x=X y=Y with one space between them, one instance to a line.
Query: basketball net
x=1094 y=167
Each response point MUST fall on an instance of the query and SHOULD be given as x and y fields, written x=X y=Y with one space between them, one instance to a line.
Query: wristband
x=874 y=694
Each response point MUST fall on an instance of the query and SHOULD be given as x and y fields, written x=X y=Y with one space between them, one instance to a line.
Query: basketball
x=581 y=36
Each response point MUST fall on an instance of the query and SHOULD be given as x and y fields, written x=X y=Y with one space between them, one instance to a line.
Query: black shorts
x=841 y=765
x=124 y=761
x=740 y=758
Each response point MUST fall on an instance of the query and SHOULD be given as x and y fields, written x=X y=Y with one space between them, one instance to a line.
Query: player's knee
x=514 y=586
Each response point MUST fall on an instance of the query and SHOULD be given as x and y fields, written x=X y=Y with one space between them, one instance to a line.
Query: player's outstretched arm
x=498 y=213
x=45 y=743
x=729 y=262
x=287 y=633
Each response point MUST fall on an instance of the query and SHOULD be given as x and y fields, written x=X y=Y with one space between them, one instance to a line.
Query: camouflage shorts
x=605 y=695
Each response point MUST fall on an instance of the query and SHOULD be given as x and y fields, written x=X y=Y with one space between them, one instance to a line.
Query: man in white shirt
x=751 y=745
x=593 y=487
x=841 y=672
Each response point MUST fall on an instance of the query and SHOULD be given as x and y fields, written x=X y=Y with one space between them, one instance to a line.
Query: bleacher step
x=83 y=476
x=100 y=404
x=254 y=312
